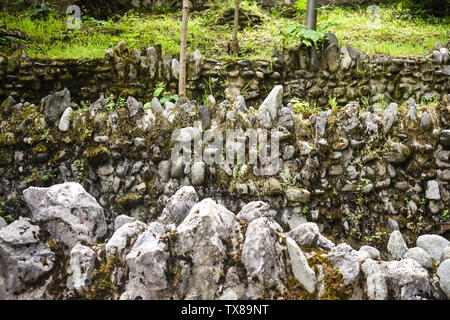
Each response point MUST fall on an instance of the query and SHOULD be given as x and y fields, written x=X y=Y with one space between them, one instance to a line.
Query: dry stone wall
x=344 y=74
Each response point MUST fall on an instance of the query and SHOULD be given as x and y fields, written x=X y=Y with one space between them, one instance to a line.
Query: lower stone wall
x=344 y=74
x=358 y=172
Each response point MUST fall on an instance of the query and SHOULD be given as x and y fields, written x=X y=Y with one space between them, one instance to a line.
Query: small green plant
x=84 y=106
x=113 y=104
x=377 y=236
x=160 y=9
x=79 y=169
x=46 y=176
x=333 y=102
x=303 y=106
x=291 y=33
x=305 y=209
x=7 y=217
x=445 y=215
x=163 y=95
x=40 y=12
x=45 y=133
x=301 y=5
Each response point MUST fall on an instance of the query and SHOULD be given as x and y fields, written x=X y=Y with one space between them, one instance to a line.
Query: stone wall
x=344 y=73
x=358 y=172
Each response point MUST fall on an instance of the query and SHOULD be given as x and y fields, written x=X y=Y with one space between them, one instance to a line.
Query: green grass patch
x=395 y=32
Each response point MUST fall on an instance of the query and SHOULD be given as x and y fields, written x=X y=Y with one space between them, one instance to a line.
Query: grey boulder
x=54 y=105
x=201 y=239
x=126 y=234
x=254 y=210
x=179 y=205
x=444 y=277
x=433 y=245
x=147 y=264
x=23 y=258
x=81 y=269
x=396 y=246
x=68 y=213
x=302 y=271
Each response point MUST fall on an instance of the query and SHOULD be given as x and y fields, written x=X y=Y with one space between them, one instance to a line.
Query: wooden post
x=183 y=45
x=235 y=44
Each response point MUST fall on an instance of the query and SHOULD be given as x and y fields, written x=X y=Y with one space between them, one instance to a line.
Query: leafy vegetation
x=396 y=30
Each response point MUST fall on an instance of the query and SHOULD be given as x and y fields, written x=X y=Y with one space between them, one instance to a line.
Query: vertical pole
x=183 y=45
x=311 y=14
x=311 y=24
x=235 y=45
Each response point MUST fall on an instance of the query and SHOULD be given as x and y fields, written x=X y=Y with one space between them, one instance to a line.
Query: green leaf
x=158 y=91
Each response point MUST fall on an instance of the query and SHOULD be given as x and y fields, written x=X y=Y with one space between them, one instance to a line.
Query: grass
x=395 y=32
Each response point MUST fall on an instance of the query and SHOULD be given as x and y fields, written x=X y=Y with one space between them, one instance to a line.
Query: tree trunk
x=183 y=45
x=235 y=44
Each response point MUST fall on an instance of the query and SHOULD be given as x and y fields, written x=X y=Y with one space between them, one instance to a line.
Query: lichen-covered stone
x=68 y=212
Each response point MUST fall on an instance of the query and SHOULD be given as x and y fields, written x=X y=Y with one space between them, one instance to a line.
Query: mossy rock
x=7 y=139
x=5 y=157
x=14 y=62
x=41 y=148
x=272 y=187
x=96 y=156
x=129 y=201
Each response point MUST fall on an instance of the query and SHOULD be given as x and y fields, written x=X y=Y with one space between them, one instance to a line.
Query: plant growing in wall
x=291 y=33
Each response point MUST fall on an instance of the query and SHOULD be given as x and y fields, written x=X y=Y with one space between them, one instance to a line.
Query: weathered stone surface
x=389 y=117
x=261 y=254
x=433 y=245
x=421 y=257
x=406 y=280
x=254 y=210
x=147 y=263
x=179 y=205
x=398 y=152
x=198 y=173
x=306 y=234
x=432 y=192
x=375 y=280
x=373 y=252
x=156 y=106
x=444 y=277
x=81 y=269
x=121 y=220
x=3 y=223
x=298 y=195
x=23 y=258
x=272 y=187
x=396 y=246
x=133 y=106
x=344 y=258
x=54 y=105
x=125 y=235
x=445 y=254
x=201 y=238
x=68 y=212
x=64 y=122
x=302 y=271
x=268 y=111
